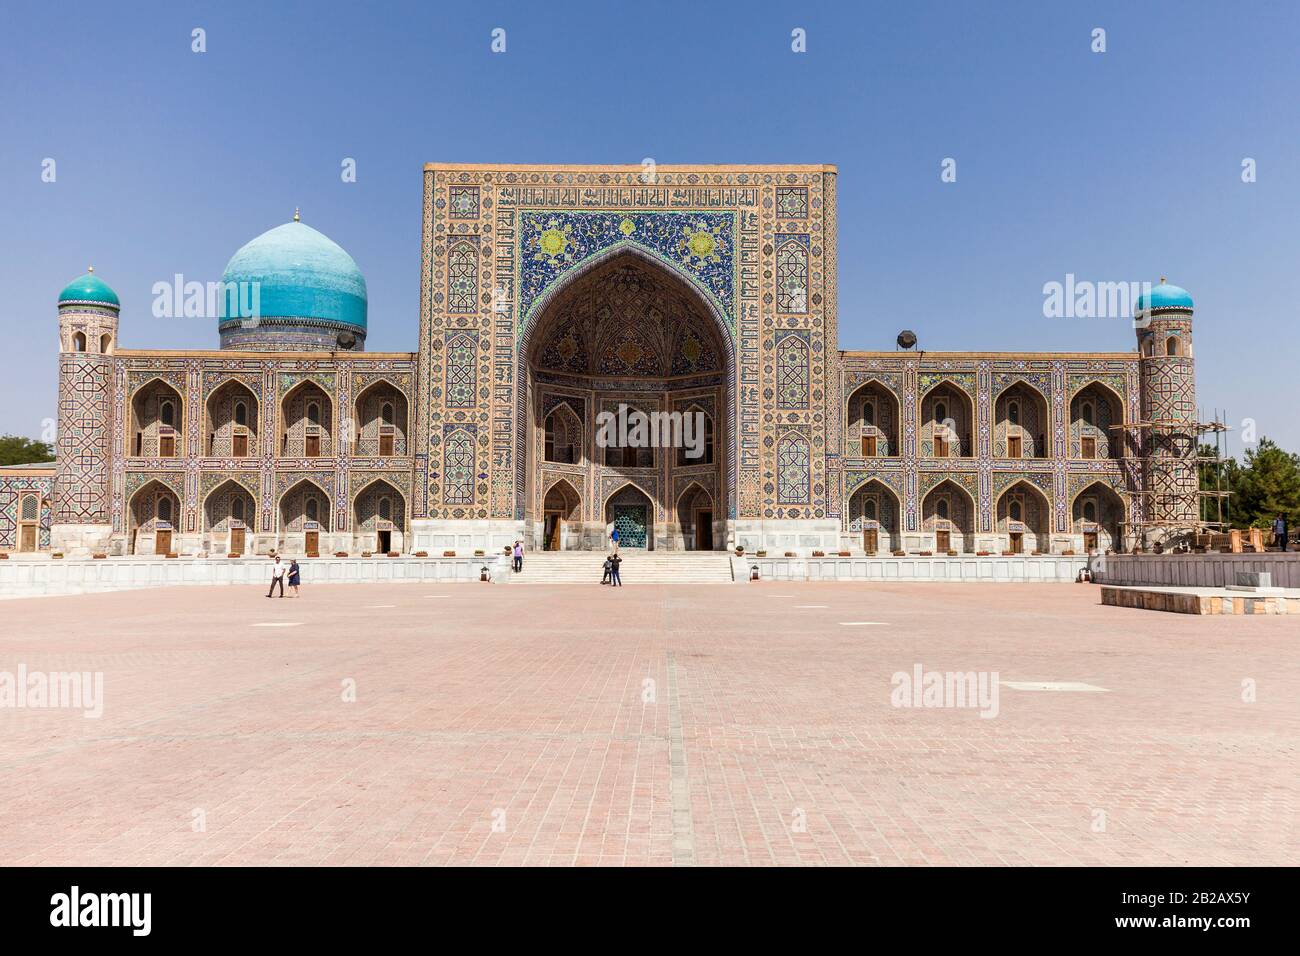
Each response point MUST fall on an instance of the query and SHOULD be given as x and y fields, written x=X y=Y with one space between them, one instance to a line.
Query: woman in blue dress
x=295 y=577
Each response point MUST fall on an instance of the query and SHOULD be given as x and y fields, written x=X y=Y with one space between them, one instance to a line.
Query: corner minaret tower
x=88 y=311
x=1167 y=383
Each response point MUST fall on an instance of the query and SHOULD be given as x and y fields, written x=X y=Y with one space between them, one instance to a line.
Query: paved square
x=657 y=724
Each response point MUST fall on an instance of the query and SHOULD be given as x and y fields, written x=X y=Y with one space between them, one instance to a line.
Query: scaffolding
x=1208 y=501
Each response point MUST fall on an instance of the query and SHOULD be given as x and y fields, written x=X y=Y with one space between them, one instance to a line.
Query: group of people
x=280 y=570
x=611 y=574
x=611 y=577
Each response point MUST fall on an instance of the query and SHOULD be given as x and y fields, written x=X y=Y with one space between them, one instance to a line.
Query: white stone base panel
x=80 y=538
x=779 y=535
x=436 y=535
x=914 y=543
x=889 y=568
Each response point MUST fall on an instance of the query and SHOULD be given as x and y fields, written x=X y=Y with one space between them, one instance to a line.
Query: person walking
x=609 y=567
x=1279 y=533
x=614 y=579
x=519 y=556
x=613 y=538
x=295 y=576
x=277 y=577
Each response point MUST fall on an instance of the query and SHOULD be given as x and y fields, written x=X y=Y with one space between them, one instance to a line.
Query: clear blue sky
x=1115 y=167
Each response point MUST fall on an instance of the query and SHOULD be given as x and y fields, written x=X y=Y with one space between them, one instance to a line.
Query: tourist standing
x=614 y=579
x=295 y=576
x=519 y=556
x=1279 y=533
x=613 y=538
x=277 y=577
x=609 y=567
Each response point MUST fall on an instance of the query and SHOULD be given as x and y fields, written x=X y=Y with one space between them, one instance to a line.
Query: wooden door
x=236 y=540
x=313 y=446
x=704 y=531
x=868 y=446
x=162 y=542
x=943 y=541
x=1089 y=449
x=240 y=449
x=940 y=447
x=553 y=525
x=1013 y=446
x=385 y=444
x=167 y=446
x=27 y=540
x=1090 y=541
x=871 y=541
x=313 y=543
x=1017 y=542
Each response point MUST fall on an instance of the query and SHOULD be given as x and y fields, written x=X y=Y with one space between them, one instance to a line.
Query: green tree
x=1265 y=486
x=16 y=450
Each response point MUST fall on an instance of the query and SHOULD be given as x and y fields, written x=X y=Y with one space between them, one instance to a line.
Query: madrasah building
x=551 y=294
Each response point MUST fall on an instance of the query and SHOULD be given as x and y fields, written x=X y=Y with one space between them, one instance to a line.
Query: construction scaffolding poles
x=1180 y=493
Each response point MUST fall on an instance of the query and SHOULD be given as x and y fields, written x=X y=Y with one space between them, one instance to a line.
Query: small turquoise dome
x=89 y=288
x=301 y=274
x=1165 y=296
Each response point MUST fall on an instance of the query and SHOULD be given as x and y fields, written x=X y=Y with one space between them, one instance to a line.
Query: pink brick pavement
x=506 y=725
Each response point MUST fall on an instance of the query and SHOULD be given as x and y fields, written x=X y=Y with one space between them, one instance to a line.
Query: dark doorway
x=704 y=531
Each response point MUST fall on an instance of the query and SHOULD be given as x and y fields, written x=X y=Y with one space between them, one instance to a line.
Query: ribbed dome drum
x=305 y=292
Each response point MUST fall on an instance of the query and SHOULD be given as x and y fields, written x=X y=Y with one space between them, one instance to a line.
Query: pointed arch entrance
x=379 y=518
x=1024 y=516
x=304 y=518
x=873 y=518
x=631 y=512
x=948 y=516
x=1097 y=517
x=154 y=513
x=563 y=511
x=230 y=518
x=695 y=518
x=627 y=371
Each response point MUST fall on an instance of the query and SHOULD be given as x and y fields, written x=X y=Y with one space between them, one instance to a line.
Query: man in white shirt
x=277 y=577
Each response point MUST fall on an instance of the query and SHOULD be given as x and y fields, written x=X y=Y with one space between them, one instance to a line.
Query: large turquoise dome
x=89 y=288
x=310 y=292
x=1165 y=296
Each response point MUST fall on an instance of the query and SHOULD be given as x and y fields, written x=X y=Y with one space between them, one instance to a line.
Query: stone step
x=560 y=567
